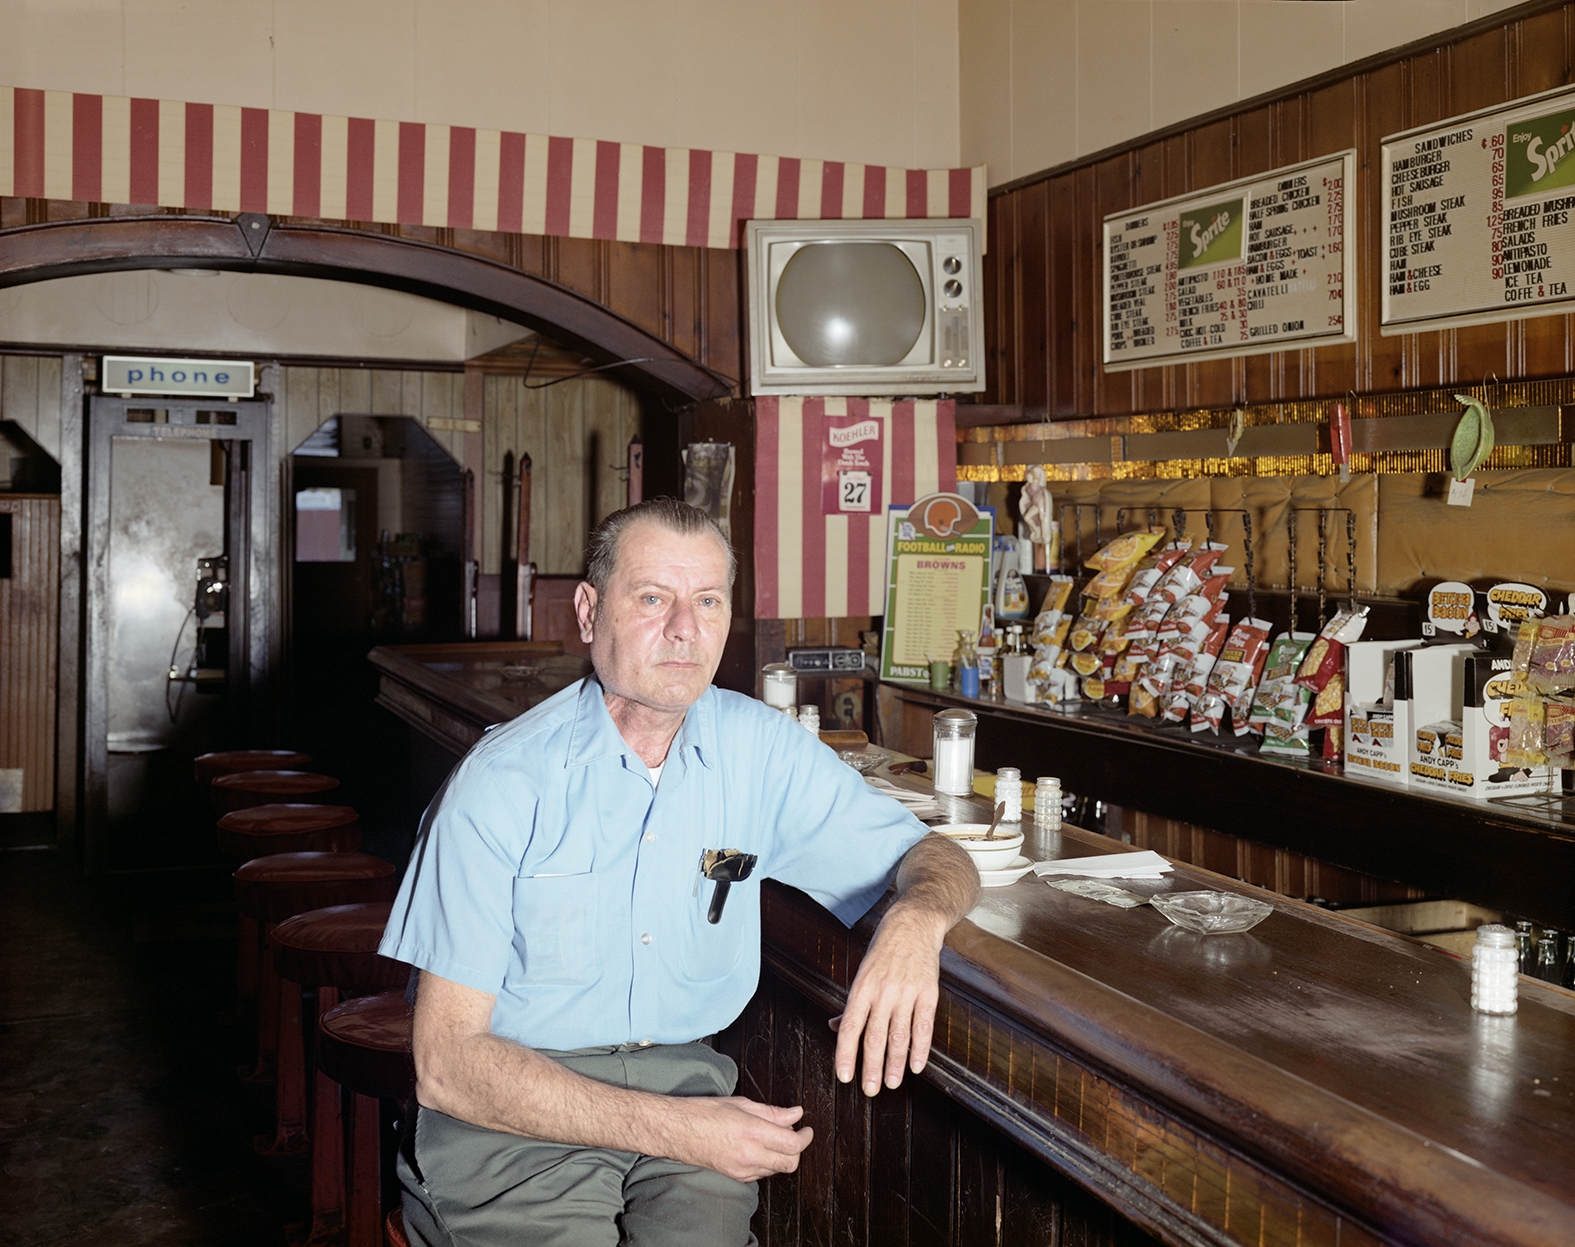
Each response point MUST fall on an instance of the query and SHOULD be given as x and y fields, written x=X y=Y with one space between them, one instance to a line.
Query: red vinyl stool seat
x=270 y=889
x=207 y=767
x=364 y=1046
x=333 y=950
x=394 y=1229
x=247 y=788
x=288 y=827
x=261 y=830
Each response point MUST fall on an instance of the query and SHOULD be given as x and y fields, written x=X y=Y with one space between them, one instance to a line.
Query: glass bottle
x=1047 y=803
x=779 y=685
x=1494 y=979
x=1526 y=945
x=1009 y=792
x=952 y=738
x=1548 y=957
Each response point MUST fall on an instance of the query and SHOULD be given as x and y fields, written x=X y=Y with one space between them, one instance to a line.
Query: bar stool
x=333 y=950
x=288 y=827
x=270 y=889
x=261 y=830
x=248 y=788
x=207 y=767
x=364 y=1046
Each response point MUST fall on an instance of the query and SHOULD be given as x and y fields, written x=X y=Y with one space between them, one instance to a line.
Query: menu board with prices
x=1249 y=266
x=1476 y=217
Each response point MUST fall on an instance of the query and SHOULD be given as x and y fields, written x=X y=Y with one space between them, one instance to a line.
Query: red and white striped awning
x=221 y=158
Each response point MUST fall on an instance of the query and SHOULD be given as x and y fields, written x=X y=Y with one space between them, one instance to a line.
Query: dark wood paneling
x=29 y=627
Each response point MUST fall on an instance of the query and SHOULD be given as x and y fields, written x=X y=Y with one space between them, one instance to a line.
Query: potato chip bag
x=1125 y=550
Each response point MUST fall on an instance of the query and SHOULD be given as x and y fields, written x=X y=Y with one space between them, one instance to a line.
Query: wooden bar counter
x=1515 y=855
x=1102 y=1077
x=1312 y=1081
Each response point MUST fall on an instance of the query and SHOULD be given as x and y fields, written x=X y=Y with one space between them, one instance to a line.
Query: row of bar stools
x=261 y=830
x=209 y=766
x=270 y=889
x=333 y=950
x=242 y=789
x=364 y=1046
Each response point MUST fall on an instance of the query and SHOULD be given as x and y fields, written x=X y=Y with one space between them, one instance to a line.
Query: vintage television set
x=875 y=307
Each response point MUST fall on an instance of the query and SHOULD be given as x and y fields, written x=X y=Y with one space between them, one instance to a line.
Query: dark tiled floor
x=123 y=1120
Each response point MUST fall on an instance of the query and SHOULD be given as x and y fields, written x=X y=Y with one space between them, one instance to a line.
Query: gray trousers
x=466 y=1186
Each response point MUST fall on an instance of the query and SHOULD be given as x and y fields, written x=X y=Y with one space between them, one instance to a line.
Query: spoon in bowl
x=1000 y=810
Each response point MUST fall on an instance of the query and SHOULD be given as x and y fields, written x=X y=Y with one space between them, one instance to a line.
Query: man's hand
x=464 y=1070
x=743 y=1139
x=892 y=1001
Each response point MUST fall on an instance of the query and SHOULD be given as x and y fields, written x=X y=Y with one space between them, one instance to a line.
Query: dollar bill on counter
x=1096 y=890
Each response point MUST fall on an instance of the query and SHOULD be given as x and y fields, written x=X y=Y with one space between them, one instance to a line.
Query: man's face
x=656 y=633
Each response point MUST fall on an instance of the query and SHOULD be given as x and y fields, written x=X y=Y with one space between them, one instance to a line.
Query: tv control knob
x=952 y=289
x=951 y=264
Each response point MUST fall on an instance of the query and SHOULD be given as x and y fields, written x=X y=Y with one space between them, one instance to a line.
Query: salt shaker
x=1047 y=803
x=952 y=736
x=1493 y=970
x=809 y=719
x=1009 y=792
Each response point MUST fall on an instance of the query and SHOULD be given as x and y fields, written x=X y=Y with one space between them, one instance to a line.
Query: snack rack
x=1326 y=523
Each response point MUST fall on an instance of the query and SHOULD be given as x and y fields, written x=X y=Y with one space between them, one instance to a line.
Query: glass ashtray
x=1212 y=913
x=863 y=760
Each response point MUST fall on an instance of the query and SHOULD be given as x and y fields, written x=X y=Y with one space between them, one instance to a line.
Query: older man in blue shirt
x=570 y=951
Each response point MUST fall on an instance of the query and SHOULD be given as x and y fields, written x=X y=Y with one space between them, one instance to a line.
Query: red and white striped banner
x=221 y=158
x=809 y=564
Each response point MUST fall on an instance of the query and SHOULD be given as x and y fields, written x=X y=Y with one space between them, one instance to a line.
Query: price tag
x=1460 y=492
x=853 y=491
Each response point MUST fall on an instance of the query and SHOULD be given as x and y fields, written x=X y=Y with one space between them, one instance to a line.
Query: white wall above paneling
x=873 y=82
x=1047 y=81
x=246 y=314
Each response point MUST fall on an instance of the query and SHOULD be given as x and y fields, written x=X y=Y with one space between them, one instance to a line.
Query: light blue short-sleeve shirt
x=551 y=874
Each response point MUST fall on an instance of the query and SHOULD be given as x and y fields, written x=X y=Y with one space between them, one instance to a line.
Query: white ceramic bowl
x=993 y=854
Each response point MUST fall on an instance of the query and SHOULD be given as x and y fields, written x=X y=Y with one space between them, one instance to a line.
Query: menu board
x=1250 y=266
x=1477 y=216
x=937 y=581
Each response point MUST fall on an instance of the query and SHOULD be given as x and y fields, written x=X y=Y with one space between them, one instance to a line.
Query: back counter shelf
x=1515 y=857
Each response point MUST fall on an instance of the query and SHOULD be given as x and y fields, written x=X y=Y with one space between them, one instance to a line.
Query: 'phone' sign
x=199 y=378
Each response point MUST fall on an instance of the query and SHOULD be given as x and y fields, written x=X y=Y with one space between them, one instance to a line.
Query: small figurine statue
x=1036 y=512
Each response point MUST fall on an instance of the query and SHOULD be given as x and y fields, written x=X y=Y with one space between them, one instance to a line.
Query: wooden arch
x=256 y=243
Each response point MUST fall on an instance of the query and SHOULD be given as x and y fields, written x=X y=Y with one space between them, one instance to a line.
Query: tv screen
x=864 y=307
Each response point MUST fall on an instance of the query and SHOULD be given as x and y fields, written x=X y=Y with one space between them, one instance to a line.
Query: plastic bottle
x=1494 y=980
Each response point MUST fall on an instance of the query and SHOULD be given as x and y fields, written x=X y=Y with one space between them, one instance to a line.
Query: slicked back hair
x=601 y=553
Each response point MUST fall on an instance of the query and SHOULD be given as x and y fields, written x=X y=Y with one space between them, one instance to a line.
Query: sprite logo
x=1210 y=235
x=1541 y=154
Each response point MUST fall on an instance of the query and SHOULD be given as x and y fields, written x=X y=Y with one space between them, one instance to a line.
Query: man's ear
x=585 y=609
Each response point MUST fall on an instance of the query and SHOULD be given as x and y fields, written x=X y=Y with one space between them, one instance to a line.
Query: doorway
x=375 y=557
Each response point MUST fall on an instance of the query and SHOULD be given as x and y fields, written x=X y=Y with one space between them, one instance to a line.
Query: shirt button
x=645 y=1043
x=650 y=837
x=646 y=938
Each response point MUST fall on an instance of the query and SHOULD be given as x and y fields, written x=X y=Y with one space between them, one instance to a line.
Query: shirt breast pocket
x=555 y=928
x=716 y=949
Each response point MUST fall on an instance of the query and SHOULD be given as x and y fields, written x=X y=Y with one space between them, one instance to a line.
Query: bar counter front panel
x=1100 y=1076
